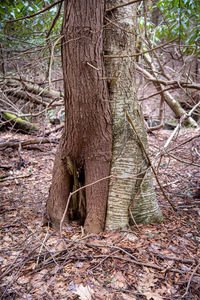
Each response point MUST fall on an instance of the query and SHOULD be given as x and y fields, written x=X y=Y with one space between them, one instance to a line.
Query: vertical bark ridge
x=128 y=159
x=87 y=137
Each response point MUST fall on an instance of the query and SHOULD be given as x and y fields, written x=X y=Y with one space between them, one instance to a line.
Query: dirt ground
x=158 y=261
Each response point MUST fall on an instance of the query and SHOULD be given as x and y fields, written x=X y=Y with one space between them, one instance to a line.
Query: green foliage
x=182 y=21
x=28 y=32
x=178 y=19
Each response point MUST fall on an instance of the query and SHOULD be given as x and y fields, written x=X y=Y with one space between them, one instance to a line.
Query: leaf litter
x=158 y=261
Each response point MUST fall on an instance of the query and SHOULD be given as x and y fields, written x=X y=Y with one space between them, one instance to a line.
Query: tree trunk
x=87 y=138
x=131 y=194
x=84 y=152
x=2 y=63
x=155 y=13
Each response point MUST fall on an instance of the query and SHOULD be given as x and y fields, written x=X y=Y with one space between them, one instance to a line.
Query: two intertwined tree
x=99 y=148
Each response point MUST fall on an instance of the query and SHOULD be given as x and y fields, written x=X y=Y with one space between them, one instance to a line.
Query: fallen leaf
x=84 y=292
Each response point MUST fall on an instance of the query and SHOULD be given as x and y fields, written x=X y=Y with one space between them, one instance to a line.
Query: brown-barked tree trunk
x=84 y=152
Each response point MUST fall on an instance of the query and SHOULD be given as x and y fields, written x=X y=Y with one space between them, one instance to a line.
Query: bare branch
x=173 y=104
x=54 y=20
x=140 y=53
x=178 y=83
x=126 y=4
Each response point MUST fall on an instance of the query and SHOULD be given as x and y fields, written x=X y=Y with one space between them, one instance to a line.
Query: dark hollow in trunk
x=84 y=151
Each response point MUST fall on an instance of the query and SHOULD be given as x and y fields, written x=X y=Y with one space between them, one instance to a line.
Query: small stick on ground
x=190 y=279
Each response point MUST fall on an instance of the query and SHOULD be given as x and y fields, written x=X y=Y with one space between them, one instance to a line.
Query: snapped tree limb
x=169 y=99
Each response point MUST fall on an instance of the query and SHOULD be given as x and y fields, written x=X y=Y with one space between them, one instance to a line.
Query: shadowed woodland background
x=156 y=261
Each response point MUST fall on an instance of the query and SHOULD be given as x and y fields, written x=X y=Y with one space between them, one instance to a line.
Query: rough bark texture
x=87 y=136
x=133 y=191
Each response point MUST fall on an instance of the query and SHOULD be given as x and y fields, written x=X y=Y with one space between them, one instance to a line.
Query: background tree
x=28 y=33
x=24 y=53
x=174 y=66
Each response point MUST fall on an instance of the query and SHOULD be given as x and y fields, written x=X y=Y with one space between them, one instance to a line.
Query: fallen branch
x=35 y=89
x=177 y=83
x=16 y=177
x=3 y=177
x=21 y=94
x=18 y=122
x=14 y=144
x=133 y=260
x=164 y=257
x=43 y=91
x=179 y=126
x=6 y=167
x=184 y=142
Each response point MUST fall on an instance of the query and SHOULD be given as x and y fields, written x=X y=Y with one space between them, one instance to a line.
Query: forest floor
x=158 y=261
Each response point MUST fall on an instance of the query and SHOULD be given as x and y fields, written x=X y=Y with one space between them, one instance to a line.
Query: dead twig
x=150 y=164
x=107 y=246
x=16 y=177
x=185 y=142
x=104 y=259
x=190 y=279
x=125 y=4
x=141 y=53
x=133 y=260
x=73 y=193
x=185 y=261
x=53 y=130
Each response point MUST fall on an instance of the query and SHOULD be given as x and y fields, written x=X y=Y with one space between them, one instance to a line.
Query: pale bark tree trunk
x=131 y=195
x=85 y=147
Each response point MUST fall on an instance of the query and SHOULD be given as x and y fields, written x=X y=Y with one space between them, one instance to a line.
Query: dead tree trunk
x=84 y=152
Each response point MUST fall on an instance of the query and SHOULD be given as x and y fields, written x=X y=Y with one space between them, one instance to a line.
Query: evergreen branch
x=35 y=14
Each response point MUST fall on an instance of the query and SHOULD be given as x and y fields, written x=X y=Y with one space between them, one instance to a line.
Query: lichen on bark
x=129 y=165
